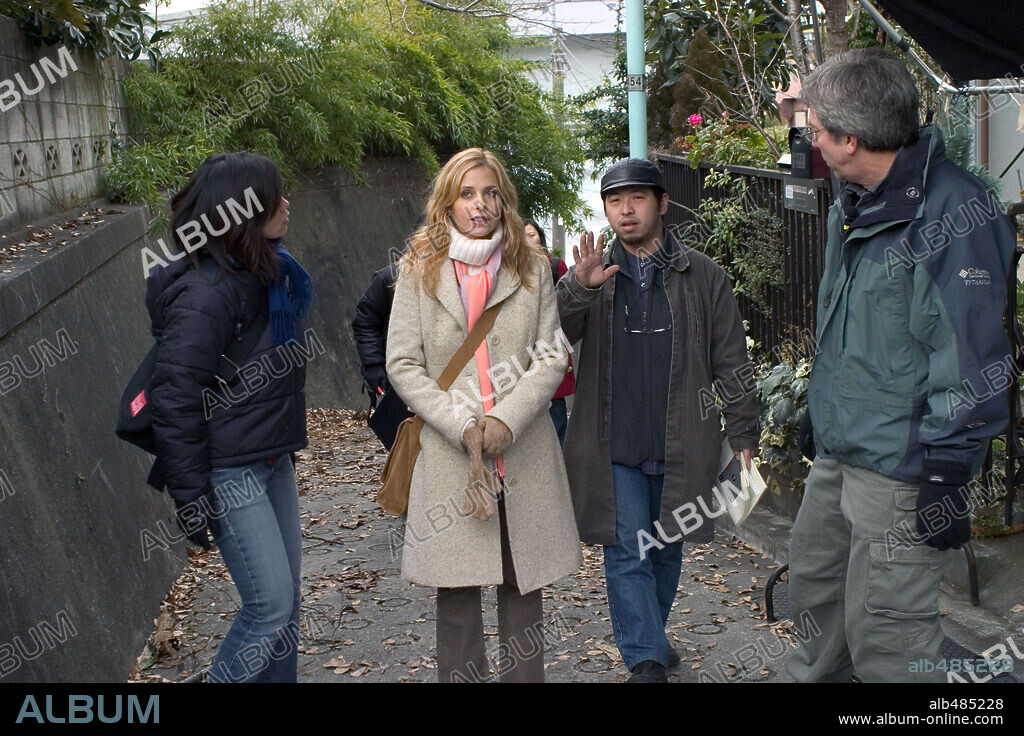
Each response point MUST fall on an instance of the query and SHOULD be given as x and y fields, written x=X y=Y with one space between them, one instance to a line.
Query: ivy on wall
x=103 y=27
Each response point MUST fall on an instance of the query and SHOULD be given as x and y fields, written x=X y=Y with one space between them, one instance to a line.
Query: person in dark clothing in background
x=558 y=411
x=370 y=332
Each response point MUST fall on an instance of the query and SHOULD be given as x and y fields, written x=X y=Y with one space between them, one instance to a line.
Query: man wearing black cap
x=661 y=332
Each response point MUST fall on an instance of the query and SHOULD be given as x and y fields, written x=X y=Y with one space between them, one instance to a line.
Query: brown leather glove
x=497 y=437
x=481 y=491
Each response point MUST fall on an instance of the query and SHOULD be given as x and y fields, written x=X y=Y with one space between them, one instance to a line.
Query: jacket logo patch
x=913 y=192
x=976 y=277
x=138 y=402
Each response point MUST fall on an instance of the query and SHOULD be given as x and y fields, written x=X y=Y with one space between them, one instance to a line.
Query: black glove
x=376 y=380
x=805 y=436
x=194 y=518
x=943 y=514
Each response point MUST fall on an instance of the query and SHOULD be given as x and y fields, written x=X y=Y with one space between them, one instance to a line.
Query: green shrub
x=745 y=240
x=720 y=140
x=328 y=83
x=782 y=389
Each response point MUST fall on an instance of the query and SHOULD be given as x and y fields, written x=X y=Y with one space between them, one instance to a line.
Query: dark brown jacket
x=709 y=346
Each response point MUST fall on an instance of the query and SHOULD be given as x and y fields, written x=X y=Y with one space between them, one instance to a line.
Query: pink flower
x=695 y=120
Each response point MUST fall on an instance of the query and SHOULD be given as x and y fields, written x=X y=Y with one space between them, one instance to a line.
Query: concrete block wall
x=342 y=233
x=79 y=592
x=55 y=143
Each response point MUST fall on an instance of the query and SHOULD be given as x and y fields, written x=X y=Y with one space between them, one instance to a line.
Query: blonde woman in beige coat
x=489 y=503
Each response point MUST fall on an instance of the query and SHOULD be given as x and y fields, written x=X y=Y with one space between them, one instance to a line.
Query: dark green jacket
x=912 y=356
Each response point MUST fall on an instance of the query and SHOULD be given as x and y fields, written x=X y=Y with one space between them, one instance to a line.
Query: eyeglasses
x=812 y=133
x=636 y=326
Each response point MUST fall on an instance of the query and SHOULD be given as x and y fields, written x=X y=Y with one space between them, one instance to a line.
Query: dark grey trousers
x=460 y=628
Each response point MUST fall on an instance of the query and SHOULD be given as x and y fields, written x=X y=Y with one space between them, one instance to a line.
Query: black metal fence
x=803 y=233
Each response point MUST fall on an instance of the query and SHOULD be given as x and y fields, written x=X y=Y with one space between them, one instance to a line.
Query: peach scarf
x=475 y=288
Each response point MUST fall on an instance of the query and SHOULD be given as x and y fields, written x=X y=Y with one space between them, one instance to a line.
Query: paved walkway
x=361 y=621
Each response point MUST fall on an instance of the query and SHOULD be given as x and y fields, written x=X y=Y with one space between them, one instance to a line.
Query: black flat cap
x=637 y=172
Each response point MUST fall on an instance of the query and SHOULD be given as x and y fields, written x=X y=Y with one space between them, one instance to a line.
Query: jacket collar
x=901 y=195
x=448 y=290
x=671 y=254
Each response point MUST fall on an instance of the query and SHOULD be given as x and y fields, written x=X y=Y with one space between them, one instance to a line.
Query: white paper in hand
x=738 y=488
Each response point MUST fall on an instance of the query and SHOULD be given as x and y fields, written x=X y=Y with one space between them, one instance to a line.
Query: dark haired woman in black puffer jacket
x=225 y=448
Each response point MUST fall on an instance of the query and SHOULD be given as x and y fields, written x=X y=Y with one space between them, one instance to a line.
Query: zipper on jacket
x=668 y=388
x=648 y=436
x=645 y=318
x=605 y=375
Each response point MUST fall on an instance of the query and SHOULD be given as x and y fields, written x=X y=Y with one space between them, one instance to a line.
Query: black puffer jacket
x=370 y=323
x=260 y=413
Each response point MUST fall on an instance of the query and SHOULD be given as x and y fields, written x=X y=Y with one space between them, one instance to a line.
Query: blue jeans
x=640 y=591
x=257 y=506
x=559 y=417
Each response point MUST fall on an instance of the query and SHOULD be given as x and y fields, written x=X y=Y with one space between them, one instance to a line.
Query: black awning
x=969 y=39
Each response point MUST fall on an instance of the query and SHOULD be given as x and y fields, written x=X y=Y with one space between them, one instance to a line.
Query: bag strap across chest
x=468 y=347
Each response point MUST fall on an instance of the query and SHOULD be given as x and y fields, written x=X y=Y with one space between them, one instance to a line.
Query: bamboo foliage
x=328 y=83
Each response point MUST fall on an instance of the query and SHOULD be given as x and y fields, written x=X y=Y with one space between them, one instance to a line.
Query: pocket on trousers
x=906 y=498
x=903 y=582
x=906 y=507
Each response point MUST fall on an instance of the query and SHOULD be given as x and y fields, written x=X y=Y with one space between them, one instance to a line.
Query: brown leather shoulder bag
x=396 y=477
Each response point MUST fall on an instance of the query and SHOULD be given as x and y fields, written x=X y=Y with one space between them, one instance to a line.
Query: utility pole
x=558 y=92
x=636 y=70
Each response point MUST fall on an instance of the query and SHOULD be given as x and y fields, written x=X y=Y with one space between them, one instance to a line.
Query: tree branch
x=482 y=13
x=838 y=39
x=796 y=36
x=486 y=12
x=492 y=12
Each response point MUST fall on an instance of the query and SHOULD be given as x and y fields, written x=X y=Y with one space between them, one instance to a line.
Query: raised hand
x=589 y=271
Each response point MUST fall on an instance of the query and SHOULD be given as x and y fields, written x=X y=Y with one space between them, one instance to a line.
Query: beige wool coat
x=443 y=547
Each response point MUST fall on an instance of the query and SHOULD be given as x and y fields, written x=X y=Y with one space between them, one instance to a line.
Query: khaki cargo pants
x=865 y=594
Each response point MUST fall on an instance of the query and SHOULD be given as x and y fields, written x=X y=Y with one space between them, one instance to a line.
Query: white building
x=586 y=37
x=1004 y=127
